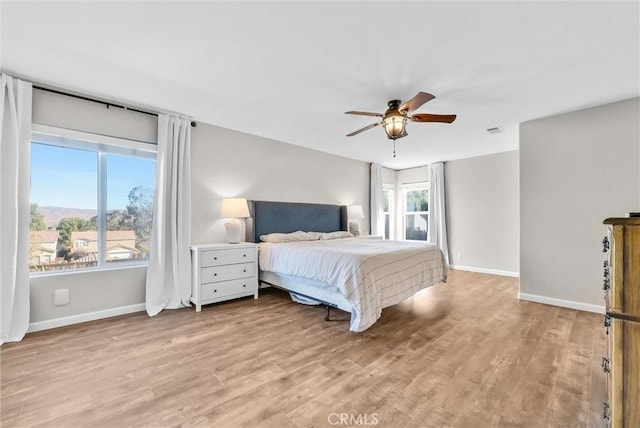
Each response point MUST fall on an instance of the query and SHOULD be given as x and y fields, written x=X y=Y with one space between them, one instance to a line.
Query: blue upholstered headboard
x=286 y=217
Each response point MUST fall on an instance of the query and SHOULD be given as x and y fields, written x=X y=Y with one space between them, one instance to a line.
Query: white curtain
x=376 y=201
x=15 y=145
x=437 y=219
x=169 y=272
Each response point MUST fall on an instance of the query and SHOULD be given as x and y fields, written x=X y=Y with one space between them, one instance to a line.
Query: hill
x=53 y=215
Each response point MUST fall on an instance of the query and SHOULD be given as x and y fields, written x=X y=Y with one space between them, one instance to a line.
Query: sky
x=63 y=177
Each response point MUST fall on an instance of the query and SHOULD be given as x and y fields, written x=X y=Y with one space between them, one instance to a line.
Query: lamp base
x=234 y=231
x=354 y=228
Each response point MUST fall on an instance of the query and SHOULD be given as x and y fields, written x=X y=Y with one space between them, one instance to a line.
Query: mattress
x=369 y=274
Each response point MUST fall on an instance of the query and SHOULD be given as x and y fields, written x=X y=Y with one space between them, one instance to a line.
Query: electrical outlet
x=61 y=297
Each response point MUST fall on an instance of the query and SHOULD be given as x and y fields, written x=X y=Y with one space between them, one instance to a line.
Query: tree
x=37 y=219
x=139 y=213
x=418 y=200
x=65 y=228
x=116 y=220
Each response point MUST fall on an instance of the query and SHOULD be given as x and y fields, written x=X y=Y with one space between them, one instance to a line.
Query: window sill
x=144 y=264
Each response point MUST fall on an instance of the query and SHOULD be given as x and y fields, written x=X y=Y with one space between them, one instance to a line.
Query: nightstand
x=223 y=272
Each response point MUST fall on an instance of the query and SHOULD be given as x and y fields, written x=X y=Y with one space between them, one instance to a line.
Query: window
x=416 y=210
x=388 y=198
x=91 y=200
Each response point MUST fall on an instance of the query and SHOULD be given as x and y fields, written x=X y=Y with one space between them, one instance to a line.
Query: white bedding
x=372 y=274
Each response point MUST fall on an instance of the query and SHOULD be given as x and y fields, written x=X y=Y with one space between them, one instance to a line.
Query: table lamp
x=233 y=209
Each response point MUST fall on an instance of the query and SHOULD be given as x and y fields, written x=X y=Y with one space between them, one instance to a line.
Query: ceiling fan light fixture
x=394 y=122
x=395 y=126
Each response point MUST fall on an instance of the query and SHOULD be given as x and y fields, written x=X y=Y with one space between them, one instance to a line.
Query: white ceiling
x=288 y=71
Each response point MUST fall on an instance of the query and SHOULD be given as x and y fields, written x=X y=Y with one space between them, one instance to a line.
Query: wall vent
x=495 y=130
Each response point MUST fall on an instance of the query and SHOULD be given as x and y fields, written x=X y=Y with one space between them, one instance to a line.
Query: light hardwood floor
x=462 y=354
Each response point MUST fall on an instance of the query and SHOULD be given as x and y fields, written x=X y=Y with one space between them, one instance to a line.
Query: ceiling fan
x=395 y=118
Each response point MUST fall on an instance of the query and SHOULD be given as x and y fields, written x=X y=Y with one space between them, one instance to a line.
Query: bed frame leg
x=328 y=316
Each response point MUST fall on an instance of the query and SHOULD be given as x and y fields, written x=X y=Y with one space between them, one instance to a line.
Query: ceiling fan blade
x=364 y=113
x=363 y=129
x=424 y=117
x=415 y=102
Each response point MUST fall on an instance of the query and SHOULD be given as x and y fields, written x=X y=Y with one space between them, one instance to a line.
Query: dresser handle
x=605 y=411
x=605 y=365
x=607 y=323
x=605 y=244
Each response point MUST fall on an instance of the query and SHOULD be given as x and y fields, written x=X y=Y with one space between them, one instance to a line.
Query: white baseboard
x=562 y=303
x=483 y=270
x=91 y=316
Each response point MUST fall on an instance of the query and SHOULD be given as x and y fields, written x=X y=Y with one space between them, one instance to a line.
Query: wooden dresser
x=622 y=322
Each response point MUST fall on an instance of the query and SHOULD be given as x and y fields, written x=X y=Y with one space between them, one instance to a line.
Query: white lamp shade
x=234 y=208
x=355 y=212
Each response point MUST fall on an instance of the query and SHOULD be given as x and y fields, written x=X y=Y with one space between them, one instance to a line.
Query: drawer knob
x=244 y=285
x=215 y=258
x=215 y=274
x=244 y=255
x=215 y=291
x=244 y=270
x=605 y=411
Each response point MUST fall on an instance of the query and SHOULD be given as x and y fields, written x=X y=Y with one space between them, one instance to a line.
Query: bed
x=313 y=257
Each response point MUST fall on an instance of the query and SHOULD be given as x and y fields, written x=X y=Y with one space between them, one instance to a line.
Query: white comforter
x=372 y=274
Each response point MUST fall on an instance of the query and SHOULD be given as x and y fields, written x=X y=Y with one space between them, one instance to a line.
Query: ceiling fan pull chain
x=394 y=148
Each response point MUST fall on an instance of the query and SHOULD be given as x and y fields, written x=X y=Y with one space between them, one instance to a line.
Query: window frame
x=102 y=145
x=391 y=189
x=405 y=188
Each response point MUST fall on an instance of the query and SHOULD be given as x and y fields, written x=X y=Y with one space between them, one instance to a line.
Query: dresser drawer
x=227 y=272
x=227 y=289
x=227 y=256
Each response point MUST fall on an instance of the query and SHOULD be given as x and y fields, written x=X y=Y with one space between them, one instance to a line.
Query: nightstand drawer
x=226 y=289
x=227 y=272
x=228 y=256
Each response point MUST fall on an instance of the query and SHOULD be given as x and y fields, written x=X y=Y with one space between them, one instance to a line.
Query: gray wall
x=413 y=175
x=576 y=169
x=227 y=163
x=482 y=204
x=224 y=164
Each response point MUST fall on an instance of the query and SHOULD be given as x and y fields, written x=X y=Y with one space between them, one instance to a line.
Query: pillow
x=336 y=235
x=290 y=237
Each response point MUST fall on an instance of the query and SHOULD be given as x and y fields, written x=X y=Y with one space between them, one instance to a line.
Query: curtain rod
x=108 y=104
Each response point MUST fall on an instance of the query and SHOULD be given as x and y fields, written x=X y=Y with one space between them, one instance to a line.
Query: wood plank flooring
x=462 y=354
